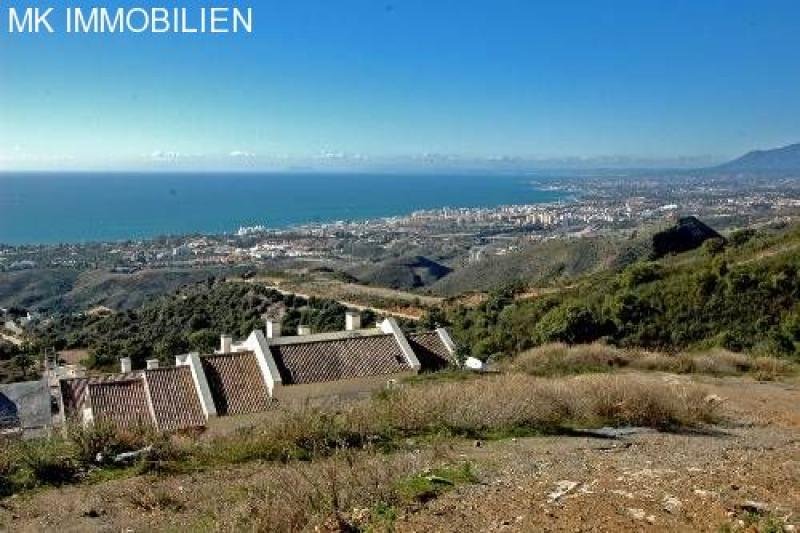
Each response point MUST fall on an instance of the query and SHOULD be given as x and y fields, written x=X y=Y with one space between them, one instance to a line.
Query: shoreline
x=193 y=200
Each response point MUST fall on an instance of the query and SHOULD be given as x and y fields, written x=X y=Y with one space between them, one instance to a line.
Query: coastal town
x=597 y=206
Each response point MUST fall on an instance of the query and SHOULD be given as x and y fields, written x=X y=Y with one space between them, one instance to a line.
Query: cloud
x=240 y=154
x=339 y=156
x=159 y=155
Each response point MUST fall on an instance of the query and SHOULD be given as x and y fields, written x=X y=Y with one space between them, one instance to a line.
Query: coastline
x=121 y=209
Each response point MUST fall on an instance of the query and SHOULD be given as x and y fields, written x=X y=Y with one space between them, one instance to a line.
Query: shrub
x=99 y=442
x=771 y=368
x=163 y=457
x=717 y=362
x=50 y=461
x=9 y=460
x=560 y=359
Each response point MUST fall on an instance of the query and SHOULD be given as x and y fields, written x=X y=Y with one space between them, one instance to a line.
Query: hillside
x=402 y=273
x=786 y=158
x=67 y=290
x=545 y=263
x=687 y=234
x=741 y=296
x=192 y=318
x=561 y=260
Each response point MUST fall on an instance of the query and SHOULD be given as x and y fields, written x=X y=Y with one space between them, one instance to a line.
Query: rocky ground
x=744 y=475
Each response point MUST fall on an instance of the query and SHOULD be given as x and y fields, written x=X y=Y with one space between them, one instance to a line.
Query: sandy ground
x=742 y=476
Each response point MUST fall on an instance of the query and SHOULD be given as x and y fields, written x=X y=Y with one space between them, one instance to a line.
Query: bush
x=98 y=443
x=560 y=359
x=163 y=457
x=572 y=324
x=50 y=461
x=9 y=461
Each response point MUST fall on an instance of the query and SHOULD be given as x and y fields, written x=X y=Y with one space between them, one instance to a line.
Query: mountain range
x=778 y=159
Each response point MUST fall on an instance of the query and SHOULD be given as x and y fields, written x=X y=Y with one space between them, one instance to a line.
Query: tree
x=573 y=324
x=24 y=361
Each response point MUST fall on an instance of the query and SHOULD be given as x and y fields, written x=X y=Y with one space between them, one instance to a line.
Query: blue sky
x=405 y=82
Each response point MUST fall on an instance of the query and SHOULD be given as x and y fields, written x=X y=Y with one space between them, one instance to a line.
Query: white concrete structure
x=192 y=360
x=225 y=342
x=390 y=326
x=273 y=328
x=352 y=320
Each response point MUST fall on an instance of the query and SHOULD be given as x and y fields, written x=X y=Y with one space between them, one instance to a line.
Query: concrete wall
x=28 y=403
x=333 y=391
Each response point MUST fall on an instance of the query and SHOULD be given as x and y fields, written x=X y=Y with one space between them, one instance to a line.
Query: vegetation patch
x=191 y=319
x=740 y=296
x=494 y=407
x=431 y=483
x=560 y=359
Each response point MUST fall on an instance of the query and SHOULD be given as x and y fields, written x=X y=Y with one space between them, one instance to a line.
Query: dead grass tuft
x=561 y=360
x=348 y=492
x=494 y=407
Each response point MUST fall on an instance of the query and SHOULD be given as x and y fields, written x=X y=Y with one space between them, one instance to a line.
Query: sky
x=405 y=83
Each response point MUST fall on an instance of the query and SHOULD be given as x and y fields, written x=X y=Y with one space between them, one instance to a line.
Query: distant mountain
x=779 y=159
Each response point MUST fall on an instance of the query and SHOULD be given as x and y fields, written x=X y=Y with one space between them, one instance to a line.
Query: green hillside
x=402 y=273
x=192 y=318
x=541 y=263
x=68 y=290
x=742 y=295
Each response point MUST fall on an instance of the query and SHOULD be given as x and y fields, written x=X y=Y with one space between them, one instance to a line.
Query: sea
x=50 y=208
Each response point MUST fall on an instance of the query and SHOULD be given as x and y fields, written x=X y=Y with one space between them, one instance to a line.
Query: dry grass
x=560 y=359
x=495 y=407
x=348 y=492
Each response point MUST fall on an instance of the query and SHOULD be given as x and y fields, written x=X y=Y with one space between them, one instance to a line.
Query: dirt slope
x=647 y=481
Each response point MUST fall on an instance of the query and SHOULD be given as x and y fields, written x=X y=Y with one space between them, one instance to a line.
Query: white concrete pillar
x=273 y=329
x=225 y=342
x=352 y=320
x=125 y=365
x=303 y=330
x=391 y=327
x=192 y=360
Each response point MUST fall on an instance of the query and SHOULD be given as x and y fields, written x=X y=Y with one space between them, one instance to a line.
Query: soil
x=742 y=475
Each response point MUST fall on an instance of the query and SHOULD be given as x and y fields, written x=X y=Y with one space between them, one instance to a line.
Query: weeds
x=494 y=407
x=561 y=360
x=350 y=491
x=431 y=483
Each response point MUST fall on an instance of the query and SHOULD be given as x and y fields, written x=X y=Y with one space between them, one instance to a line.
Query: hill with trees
x=560 y=261
x=741 y=295
x=72 y=290
x=403 y=273
x=190 y=319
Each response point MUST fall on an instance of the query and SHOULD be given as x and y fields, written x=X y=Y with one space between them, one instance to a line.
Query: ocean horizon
x=52 y=208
